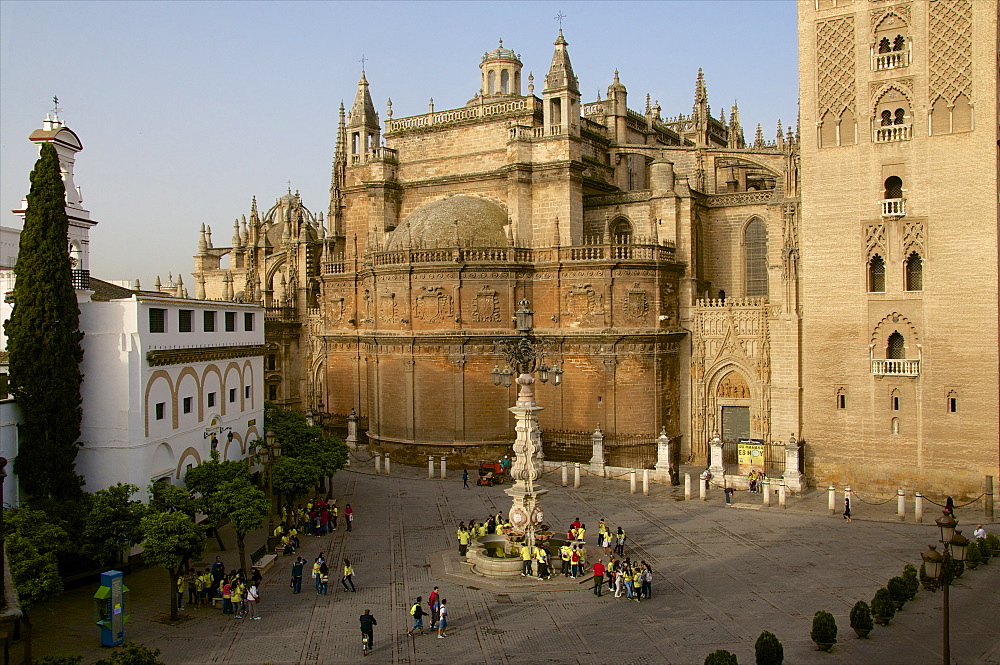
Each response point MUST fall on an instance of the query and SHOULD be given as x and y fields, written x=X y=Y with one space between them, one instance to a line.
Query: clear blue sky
x=187 y=109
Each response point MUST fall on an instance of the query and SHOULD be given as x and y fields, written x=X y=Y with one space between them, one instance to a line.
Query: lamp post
x=941 y=568
x=273 y=450
x=524 y=357
x=3 y=506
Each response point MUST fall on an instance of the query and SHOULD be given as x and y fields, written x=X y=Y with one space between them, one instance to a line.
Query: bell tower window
x=896 y=347
x=876 y=274
x=892 y=117
x=893 y=203
x=914 y=272
x=891 y=45
x=505 y=82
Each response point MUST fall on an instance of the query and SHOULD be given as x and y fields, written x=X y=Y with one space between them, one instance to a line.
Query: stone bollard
x=687 y=486
x=576 y=474
x=430 y=466
x=565 y=474
x=387 y=464
x=918 y=507
x=378 y=462
x=645 y=482
x=782 y=494
x=831 y=499
x=631 y=481
x=767 y=492
x=900 y=505
x=702 y=490
x=444 y=466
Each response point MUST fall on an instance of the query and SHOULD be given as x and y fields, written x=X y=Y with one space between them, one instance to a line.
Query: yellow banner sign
x=750 y=457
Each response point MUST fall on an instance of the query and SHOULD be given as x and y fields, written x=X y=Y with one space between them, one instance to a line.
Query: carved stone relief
x=485 y=306
x=636 y=306
x=433 y=305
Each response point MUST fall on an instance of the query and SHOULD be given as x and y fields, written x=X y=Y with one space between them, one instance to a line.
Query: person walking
x=297 y=575
x=463 y=540
x=349 y=516
x=847 y=509
x=465 y=478
x=598 y=577
x=253 y=596
x=324 y=579
x=316 y=566
x=334 y=514
x=191 y=581
x=647 y=581
x=434 y=601
x=620 y=542
x=368 y=623
x=417 y=612
x=348 y=577
x=443 y=619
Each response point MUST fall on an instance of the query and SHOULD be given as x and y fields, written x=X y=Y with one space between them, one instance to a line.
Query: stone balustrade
x=896 y=367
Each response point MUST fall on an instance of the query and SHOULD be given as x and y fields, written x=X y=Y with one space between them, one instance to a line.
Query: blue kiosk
x=110 y=603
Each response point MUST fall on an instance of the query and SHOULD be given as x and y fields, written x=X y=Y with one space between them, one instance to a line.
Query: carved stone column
x=717 y=470
x=794 y=481
x=597 y=459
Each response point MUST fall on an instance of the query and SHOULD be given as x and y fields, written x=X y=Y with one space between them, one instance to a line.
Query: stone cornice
x=161 y=357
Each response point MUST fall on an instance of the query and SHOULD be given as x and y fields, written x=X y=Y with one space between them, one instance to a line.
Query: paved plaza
x=722 y=575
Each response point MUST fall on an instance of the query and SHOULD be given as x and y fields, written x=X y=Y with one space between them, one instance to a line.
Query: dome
x=501 y=53
x=463 y=220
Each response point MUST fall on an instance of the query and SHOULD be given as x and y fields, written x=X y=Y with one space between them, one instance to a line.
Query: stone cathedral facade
x=664 y=258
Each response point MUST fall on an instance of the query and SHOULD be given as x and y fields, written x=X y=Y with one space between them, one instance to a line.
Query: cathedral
x=683 y=281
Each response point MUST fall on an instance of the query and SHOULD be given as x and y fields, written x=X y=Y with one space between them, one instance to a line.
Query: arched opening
x=961 y=115
x=876 y=274
x=892 y=117
x=884 y=46
x=899 y=43
x=896 y=347
x=940 y=117
x=491 y=82
x=755 y=258
x=914 y=273
x=893 y=187
x=828 y=130
x=621 y=232
x=848 y=128
x=355 y=143
x=505 y=82
x=733 y=397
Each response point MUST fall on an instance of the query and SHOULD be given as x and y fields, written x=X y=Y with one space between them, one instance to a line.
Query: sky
x=186 y=110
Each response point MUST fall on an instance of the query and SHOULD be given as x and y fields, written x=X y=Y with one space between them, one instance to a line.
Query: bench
x=265 y=562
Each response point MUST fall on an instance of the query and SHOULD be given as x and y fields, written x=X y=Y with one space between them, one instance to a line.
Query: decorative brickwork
x=950 y=52
x=835 y=66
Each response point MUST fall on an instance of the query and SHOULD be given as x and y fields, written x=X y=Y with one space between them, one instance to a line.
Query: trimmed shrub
x=972 y=555
x=883 y=609
x=861 y=616
x=768 y=649
x=58 y=660
x=898 y=589
x=721 y=657
x=824 y=630
x=912 y=583
x=994 y=542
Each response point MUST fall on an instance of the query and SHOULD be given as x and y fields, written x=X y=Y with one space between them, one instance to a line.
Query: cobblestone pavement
x=722 y=576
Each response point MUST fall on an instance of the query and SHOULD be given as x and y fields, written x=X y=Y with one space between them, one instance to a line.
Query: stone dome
x=465 y=221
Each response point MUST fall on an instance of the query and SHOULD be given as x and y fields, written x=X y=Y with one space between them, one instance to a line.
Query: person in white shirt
x=980 y=532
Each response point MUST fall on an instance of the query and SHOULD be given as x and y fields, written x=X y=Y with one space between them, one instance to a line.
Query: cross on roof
x=559 y=17
x=55 y=105
x=363 y=60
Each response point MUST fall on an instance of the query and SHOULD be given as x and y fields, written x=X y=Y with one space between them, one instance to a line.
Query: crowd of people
x=238 y=590
x=318 y=517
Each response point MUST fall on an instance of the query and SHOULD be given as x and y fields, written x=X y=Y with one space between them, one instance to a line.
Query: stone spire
x=780 y=141
x=337 y=178
x=202 y=241
x=736 y=139
x=758 y=139
x=700 y=111
x=560 y=76
x=236 y=234
x=362 y=121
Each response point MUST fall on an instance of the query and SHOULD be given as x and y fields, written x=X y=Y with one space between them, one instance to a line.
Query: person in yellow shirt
x=581 y=532
x=463 y=541
x=564 y=557
x=526 y=556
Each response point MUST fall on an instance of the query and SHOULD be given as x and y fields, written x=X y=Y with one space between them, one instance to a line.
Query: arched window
x=914 y=272
x=828 y=130
x=755 y=258
x=505 y=82
x=893 y=187
x=898 y=43
x=621 y=232
x=896 y=348
x=886 y=118
x=876 y=274
x=884 y=46
x=899 y=117
x=492 y=83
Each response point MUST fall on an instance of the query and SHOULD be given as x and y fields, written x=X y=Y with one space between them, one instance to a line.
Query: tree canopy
x=112 y=525
x=43 y=339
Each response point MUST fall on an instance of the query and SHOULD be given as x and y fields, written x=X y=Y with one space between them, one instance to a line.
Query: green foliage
x=993 y=541
x=44 y=341
x=882 y=605
x=768 y=649
x=898 y=589
x=292 y=476
x=130 y=653
x=313 y=456
x=721 y=657
x=245 y=505
x=59 y=660
x=112 y=525
x=165 y=497
x=861 y=616
x=206 y=478
x=171 y=539
x=912 y=583
x=824 y=628
x=32 y=542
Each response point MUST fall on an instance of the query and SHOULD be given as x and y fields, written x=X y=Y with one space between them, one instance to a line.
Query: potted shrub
x=721 y=657
x=768 y=649
x=972 y=555
x=883 y=609
x=861 y=619
x=898 y=590
x=984 y=551
x=912 y=583
x=824 y=630
x=994 y=543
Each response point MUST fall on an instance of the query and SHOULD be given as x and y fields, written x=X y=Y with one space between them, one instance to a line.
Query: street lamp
x=273 y=450
x=941 y=569
x=3 y=475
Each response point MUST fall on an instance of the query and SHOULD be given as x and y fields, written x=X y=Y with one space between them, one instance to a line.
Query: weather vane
x=363 y=60
x=559 y=17
x=55 y=105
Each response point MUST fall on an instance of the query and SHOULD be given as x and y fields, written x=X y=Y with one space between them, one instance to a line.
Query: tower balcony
x=893 y=208
x=894 y=60
x=892 y=133
x=894 y=367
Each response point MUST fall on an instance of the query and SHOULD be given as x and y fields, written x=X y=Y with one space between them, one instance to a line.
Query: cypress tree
x=44 y=341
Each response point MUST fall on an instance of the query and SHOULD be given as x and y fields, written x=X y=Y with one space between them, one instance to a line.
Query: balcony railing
x=893 y=207
x=887 y=367
x=891 y=133
x=894 y=60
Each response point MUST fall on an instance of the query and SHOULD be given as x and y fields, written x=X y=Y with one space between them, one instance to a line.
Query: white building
x=166 y=379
